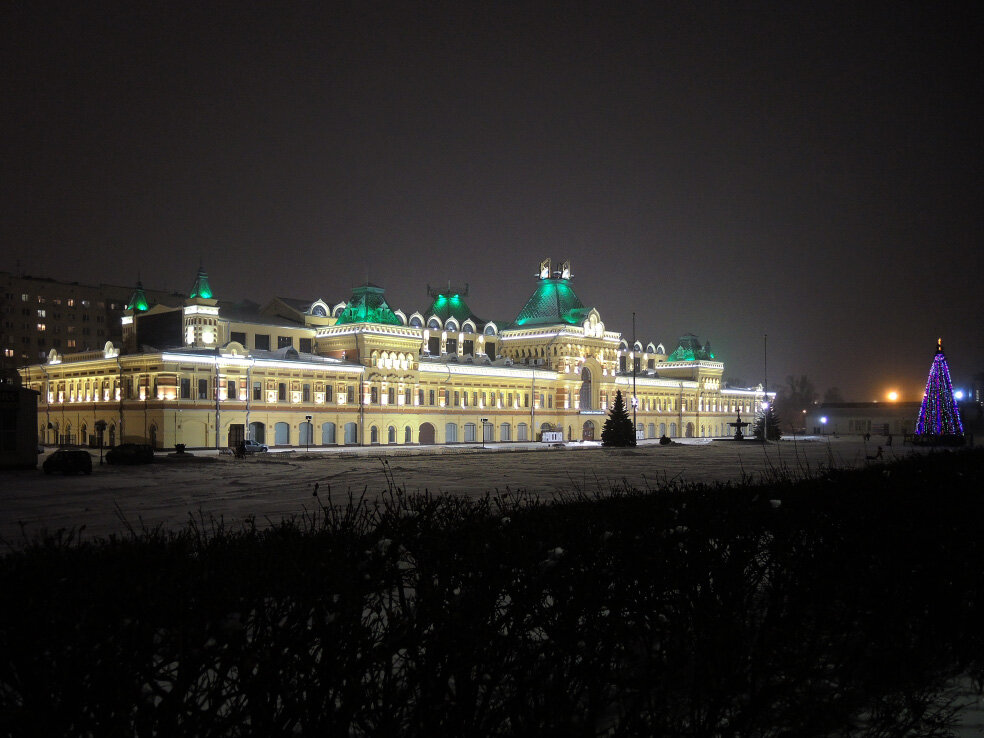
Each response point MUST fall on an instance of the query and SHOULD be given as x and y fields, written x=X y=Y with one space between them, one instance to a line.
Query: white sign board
x=553 y=436
x=640 y=435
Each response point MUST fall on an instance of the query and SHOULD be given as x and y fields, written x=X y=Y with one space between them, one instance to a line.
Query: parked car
x=252 y=447
x=68 y=461
x=130 y=453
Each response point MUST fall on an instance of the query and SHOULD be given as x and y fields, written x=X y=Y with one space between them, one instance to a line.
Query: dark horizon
x=823 y=161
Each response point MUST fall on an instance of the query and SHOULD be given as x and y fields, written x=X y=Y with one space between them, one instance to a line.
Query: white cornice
x=487 y=371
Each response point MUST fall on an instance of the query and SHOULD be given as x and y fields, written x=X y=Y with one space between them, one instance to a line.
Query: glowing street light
x=823 y=425
x=958 y=394
x=892 y=396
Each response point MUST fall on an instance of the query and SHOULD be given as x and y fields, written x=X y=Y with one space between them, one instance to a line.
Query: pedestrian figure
x=867 y=437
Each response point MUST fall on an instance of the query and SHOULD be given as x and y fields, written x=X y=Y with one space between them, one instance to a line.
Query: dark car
x=130 y=453
x=68 y=461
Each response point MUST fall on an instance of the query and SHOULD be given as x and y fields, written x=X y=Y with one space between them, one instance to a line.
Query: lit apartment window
x=70 y=342
x=25 y=298
x=8 y=352
x=40 y=313
x=70 y=302
x=85 y=303
x=41 y=327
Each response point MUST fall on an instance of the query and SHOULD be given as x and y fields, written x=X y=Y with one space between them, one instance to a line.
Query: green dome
x=367 y=305
x=690 y=349
x=452 y=305
x=553 y=302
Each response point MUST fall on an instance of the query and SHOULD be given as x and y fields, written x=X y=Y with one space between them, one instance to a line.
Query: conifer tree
x=767 y=425
x=618 y=430
x=939 y=416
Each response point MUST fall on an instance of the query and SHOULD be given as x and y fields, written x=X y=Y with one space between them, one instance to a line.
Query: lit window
x=41 y=326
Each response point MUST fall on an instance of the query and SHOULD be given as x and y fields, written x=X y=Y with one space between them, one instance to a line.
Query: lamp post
x=635 y=400
x=100 y=426
x=484 y=422
x=310 y=431
x=823 y=425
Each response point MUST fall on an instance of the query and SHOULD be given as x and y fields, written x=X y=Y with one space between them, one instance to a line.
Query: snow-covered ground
x=280 y=484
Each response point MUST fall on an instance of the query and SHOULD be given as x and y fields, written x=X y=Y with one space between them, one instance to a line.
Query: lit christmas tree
x=939 y=418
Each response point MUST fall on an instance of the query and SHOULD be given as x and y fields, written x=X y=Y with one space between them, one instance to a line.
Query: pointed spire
x=138 y=301
x=202 y=287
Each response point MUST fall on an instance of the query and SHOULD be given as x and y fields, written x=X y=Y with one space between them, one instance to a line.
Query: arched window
x=319 y=311
x=586 y=390
x=504 y=432
x=407 y=435
x=351 y=434
x=451 y=325
x=469 y=433
x=391 y=435
x=327 y=434
x=434 y=324
x=374 y=435
x=416 y=322
x=281 y=434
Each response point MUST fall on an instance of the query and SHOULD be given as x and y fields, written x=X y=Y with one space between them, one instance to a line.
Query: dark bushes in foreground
x=841 y=605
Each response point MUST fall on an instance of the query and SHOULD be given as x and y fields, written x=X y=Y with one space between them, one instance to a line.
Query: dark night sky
x=825 y=161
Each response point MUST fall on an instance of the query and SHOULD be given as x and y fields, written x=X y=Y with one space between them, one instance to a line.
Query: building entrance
x=237 y=434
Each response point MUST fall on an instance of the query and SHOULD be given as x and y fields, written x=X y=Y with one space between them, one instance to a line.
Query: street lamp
x=484 y=421
x=823 y=425
x=310 y=431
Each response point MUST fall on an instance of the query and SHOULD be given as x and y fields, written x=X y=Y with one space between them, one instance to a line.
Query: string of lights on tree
x=938 y=414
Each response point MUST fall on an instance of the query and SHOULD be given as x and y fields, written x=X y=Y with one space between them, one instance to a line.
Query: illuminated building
x=207 y=374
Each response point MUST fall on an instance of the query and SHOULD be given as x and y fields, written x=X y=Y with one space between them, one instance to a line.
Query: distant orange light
x=893 y=396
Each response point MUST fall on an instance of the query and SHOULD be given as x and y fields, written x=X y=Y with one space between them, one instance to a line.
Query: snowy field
x=280 y=484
